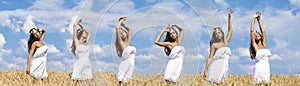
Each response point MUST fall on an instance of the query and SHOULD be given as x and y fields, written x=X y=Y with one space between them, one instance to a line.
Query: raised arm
x=43 y=33
x=228 y=37
x=208 y=61
x=157 y=42
x=31 y=51
x=262 y=29
x=129 y=36
x=252 y=34
x=75 y=40
x=180 y=34
x=118 y=32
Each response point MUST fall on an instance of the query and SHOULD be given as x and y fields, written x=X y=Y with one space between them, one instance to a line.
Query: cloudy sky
x=280 y=19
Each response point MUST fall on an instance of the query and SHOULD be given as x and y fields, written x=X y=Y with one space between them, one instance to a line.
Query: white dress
x=127 y=64
x=82 y=68
x=174 y=65
x=219 y=65
x=38 y=63
x=262 y=66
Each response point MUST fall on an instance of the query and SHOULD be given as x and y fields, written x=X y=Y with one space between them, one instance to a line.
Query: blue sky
x=147 y=18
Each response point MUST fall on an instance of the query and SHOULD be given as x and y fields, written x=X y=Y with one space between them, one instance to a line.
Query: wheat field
x=19 y=78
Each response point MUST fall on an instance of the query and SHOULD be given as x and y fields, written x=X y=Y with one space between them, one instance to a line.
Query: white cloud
x=2 y=40
x=280 y=44
x=95 y=48
x=70 y=27
x=275 y=57
x=28 y=24
x=23 y=43
x=234 y=57
x=298 y=53
x=243 y=51
x=223 y=4
x=52 y=49
x=295 y=3
x=194 y=57
x=47 y=5
x=68 y=43
x=5 y=2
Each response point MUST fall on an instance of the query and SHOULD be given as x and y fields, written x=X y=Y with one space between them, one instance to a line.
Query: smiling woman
x=36 y=67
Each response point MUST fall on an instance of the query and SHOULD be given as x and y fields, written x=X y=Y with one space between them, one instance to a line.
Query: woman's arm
x=158 y=38
x=262 y=29
x=180 y=34
x=31 y=51
x=75 y=40
x=228 y=37
x=43 y=33
x=252 y=34
x=129 y=32
x=118 y=32
x=208 y=61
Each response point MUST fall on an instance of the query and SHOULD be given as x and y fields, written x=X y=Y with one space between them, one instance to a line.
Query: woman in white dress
x=219 y=54
x=125 y=51
x=259 y=53
x=82 y=68
x=36 y=66
x=174 y=50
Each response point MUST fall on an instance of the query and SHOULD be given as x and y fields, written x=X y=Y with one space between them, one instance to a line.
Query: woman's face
x=218 y=34
x=36 y=34
x=173 y=34
x=257 y=36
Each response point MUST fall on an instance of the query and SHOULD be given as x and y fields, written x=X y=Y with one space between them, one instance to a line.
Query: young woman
x=219 y=54
x=82 y=68
x=174 y=50
x=36 y=67
x=124 y=50
x=259 y=52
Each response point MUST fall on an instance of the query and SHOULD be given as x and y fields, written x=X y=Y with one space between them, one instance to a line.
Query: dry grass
x=19 y=78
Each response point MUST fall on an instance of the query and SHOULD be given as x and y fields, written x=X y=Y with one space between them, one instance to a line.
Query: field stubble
x=19 y=78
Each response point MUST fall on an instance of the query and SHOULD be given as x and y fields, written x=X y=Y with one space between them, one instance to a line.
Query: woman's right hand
x=204 y=75
x=27 y=71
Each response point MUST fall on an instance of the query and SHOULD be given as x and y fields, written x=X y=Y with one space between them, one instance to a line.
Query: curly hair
x=251 y=48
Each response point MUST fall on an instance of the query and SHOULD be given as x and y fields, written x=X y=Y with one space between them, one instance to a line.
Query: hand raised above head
x=258 y=15
x=230 y=11
x=122 y=18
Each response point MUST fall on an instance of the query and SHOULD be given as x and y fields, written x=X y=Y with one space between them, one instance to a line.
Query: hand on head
x=122 y=18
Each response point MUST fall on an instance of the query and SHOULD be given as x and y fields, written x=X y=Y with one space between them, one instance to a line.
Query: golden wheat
x=19 y=78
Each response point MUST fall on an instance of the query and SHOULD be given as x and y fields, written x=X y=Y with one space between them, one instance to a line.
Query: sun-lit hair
x=169 y=39
x=251 y=48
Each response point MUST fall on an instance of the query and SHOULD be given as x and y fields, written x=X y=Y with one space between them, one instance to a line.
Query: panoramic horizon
x=147 y=18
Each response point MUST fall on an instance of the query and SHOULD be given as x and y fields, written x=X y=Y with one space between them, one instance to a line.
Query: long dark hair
x=251 y=48
x=79 y=34
x=31 y=39
x=214 y=38
x=169 y=39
